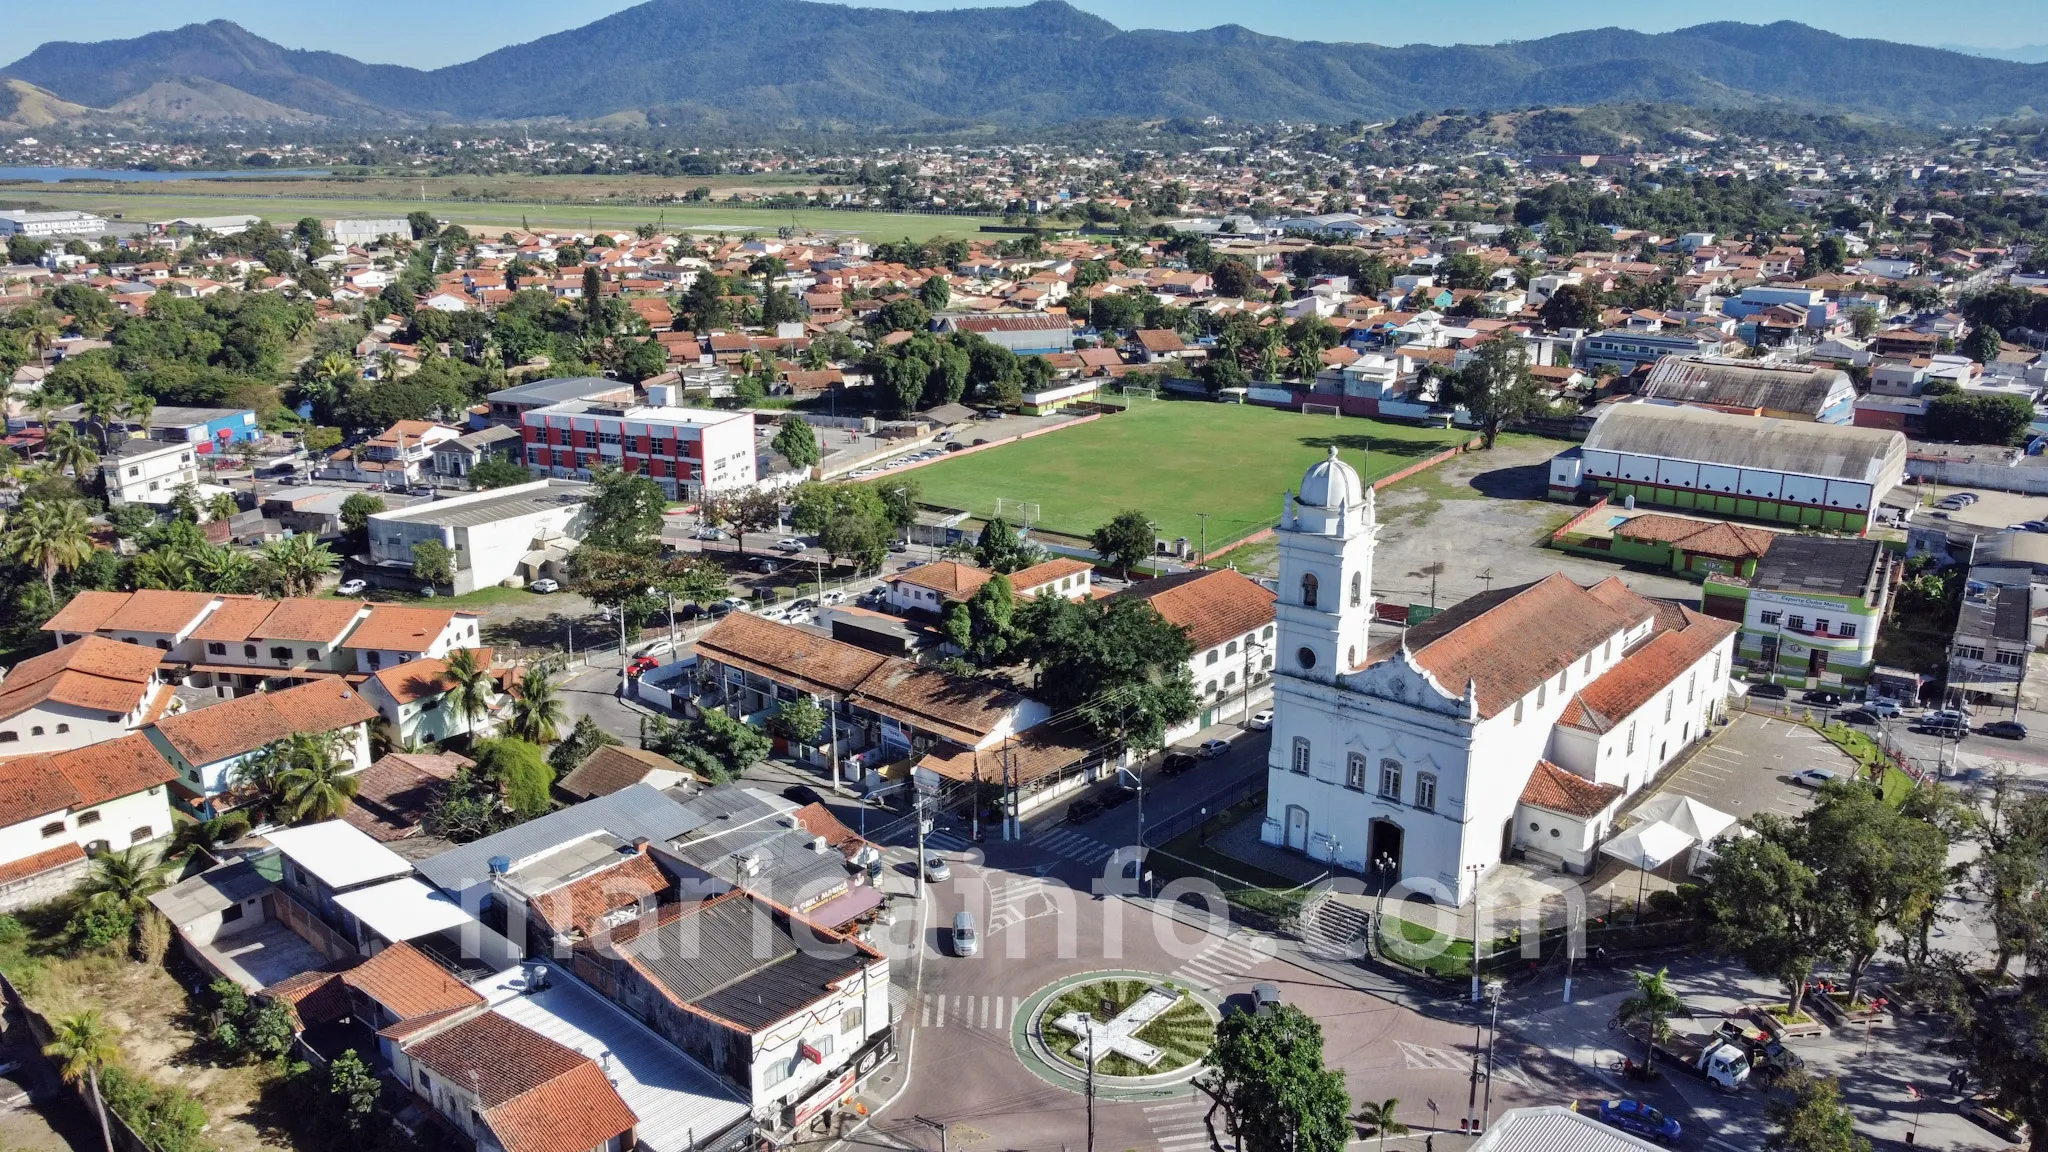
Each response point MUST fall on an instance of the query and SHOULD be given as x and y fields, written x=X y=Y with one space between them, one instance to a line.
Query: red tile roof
x=155 y=610
x=536 y=1094
x=396 y=628
x=1039 y=575
x=1505 y=643
x=86 y=612
x=1212 y=605
x=581 y=905
x=788 y=655
x=49 y=782
x=1557 y=790
x=1639 y=676
x=393 y=794
x=948 y=578
x=94 y=673
x=232 y=727
x=1718 y=539
x=417 y=680
x=404 y=980
x=308 y=620
x=234 y=620
x=41 y=862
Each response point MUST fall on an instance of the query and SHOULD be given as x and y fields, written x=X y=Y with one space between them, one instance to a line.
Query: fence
x=1191 y=817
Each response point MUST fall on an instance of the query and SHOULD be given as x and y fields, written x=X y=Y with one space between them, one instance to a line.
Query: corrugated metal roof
x=629 y=814
x=737 y=959
x=1732 y=383
x=1555 y=1128
x=1833 y=451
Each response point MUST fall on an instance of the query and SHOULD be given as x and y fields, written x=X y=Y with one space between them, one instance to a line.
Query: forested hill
x=789 y=62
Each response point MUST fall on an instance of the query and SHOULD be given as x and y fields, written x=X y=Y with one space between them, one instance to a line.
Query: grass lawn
x=1183 y=1033
x=137 y=202
x=1172 y=459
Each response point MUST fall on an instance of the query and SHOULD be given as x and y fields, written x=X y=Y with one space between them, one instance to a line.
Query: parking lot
x=1748 y=767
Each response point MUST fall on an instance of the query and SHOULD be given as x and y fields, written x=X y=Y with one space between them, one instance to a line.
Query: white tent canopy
x=1686 y=814
x=1648 y=845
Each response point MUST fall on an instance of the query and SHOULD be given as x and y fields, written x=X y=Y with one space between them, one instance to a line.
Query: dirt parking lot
x=1475 y=522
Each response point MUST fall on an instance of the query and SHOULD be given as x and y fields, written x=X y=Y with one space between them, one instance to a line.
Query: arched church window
x=1357 y=589
x=1308 y=590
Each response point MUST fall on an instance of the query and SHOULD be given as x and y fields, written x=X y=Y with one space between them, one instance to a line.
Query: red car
x=641 y=664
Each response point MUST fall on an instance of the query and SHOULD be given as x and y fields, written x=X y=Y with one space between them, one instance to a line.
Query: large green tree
x=1266 y=1072
x=1126 y=541
x=1880 y=864
x=1118 y=663
x=1496 y=386
x=1808 y=1115
x=625 y=511
x=983 y=626
x=1767 y=907
x=797 y=442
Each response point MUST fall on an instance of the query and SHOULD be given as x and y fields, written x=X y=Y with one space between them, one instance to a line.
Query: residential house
x=148 y=472
x=83 y=693
x=206 y=744
x=413 y=699
x=2003 y=621
x=367 y=894
x=1228 y=619
x=457 y=458
x=507 y=1088
x=59 y=808
x=152 y=618
x=616 y=767
x=395 y=794
x=248 y=643
x=394 y=633
x=929 y=588
x=395 y=458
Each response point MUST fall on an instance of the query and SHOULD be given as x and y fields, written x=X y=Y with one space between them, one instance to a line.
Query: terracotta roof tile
x=1211 y=605
x=31 y=786
x=155 y=610
x=1618 y=692
x=818 y=820
x=397 y=628
x=308 y=619
x=94 y=673
x=536 y=1094
x=948 y=578
x=614 y=768
x=574 y=1112
x=231 y=727
x=1037 y=751
x=1717 y=539
x=417 y=680
x=41 y=862
x=393 y=794
x=1505 y=643
x=404 y=980
x=956 y=707
x=86 y=612
x=1554 y=788
x=232 y=622
x=1041 y=574
x=47 y=782
x=789 y=655
x=582 y=905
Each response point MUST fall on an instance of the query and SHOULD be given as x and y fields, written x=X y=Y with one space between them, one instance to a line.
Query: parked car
x=1638 y=1118
x=1214 y=748
x=1177 y=763
x=789 y=544
x=544 y=586
x=1945 y=723
x=1814 y=777
x=936 y=870
x=898 y=546
x=707 y=532
x=2005 y=730
x=1856 y=716
x=1768 y=691
x=1265 y=998
x=1879 y=706
x=1823 y=697
x=804 y=605
x=351 y=587
x=835 y=596
x=1262 y=720
x=769 y=566
x=1083 y=810
x=1117 y=796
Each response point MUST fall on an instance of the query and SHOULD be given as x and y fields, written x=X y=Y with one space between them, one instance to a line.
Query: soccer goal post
x=1321 y=410
x=1141 y=392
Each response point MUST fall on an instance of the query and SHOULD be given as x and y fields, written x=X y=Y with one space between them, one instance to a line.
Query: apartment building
x=688 y=451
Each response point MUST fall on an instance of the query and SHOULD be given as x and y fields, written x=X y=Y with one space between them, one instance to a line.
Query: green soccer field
x=1174 y=460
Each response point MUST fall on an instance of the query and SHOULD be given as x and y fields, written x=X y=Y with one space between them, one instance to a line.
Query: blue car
x=1636 y=1117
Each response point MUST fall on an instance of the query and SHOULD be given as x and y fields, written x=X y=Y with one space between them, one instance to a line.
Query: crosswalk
x=989 y=1013
x=946 y=842
x=1180 y=1125
x=1075 y=846
x=1419 y=1056
x=1225 y=960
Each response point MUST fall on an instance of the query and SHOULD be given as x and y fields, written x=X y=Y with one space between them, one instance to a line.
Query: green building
x=1811 y=610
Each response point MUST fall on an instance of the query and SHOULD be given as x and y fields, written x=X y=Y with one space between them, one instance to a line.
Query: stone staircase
x=1336 y=929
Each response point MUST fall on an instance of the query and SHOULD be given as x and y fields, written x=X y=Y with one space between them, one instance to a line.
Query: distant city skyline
x=434 y=33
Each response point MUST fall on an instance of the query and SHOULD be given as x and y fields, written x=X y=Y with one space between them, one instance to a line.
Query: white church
x=1516 y=720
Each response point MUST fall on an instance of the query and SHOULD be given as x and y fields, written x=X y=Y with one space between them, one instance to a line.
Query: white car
x=655 y=648
x=789 y=544
x=1262 y=720
x=706 y=532
x=1879 y=706
x=351 y=587
x=1814 y=777
x=544 y=586
x=773 y=613
x=835 y=596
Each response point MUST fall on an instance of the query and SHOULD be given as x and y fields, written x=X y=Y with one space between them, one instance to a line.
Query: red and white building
x=688 y=451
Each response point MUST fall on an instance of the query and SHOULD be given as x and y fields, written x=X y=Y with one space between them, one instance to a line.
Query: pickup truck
x=1723 y=1054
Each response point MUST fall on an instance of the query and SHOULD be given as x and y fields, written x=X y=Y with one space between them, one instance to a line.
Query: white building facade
x=148 y=472
x=1428 y=758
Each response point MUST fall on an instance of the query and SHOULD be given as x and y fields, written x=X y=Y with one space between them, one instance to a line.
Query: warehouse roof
x=1803 y=388
x=1833 y=451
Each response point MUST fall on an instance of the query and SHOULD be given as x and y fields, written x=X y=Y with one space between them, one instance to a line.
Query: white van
x=966 y=942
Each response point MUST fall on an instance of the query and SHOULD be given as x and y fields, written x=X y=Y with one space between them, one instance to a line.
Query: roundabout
x=1146 y=1034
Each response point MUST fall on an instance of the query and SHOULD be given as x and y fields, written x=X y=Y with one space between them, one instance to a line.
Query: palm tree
x=387 y=365
x=52 y=536
x=221 y=506
x=298 y=563
x=224 y=570
x=125 y=880
x=166 y=568
x=1653 y=1002
x=82 y=1044
x=69 y=452
x=471 y=687
x=537 y=712
x=41 y=333
x=101 y=407
x=207 y=835
x=1378 y=1120
x=319 y=788
x=138 y=409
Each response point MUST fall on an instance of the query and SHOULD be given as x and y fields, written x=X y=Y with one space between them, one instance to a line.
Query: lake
x=138 y=176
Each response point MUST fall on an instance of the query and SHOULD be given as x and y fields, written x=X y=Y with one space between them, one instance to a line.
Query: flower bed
x=1782 y=1025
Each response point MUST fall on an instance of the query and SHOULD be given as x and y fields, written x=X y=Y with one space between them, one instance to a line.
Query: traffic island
x=1149 y=1034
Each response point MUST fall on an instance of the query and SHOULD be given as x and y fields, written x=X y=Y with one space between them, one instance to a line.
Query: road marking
x=1719 y=751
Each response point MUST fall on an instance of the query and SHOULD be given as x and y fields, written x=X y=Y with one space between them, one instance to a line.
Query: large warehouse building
x=1787 y=391
x=1755 y=468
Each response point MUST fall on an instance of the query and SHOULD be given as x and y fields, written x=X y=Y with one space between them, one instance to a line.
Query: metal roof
x=1832 y=451
x=338 y=853
x=629 y=814
x=678 y=1103
x=403 y=909
x=1555 y=1128
x=556 y=389
x=211 y=891
x=470 y=514
x=737 y=958
x=1735 y=384
x=1827 y=565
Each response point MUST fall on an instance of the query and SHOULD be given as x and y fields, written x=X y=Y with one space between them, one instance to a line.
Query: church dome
x=1331 y=483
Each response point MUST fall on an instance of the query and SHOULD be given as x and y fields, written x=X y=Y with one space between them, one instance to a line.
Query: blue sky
x=430 y=33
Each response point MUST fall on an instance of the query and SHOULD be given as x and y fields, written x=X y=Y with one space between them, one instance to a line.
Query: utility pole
x=1472 y=1097
x=937 y=1126
x=1493 y=990
x=1091 y=1086
x=920 y=839
x=1203 y=555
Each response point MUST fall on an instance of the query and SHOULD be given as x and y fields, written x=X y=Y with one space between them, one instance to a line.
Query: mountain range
x=792 y=63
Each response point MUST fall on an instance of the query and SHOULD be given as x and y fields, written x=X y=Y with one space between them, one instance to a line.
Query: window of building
x=141 y=835
x=231 y=913
x=376 y=659
x=1691 y=682
x=312 y=653
x=1213 y=654
x=1268 y=633
x=63 y=728
x=1390 y=779
x=1563 y=681
x=1209 y=689
x=1631 y=737
x=280 y=652
x=1518 y=711
x=1308 y=590
x=53 y=828
x=1357 y=589
x=36 y=731
x=1770 y=618
x=1425 y=791
x=1306 y=656
x=2015 y=659
x=1542 y=693
x=8 y=737
x=1588 y=667
x=248 y=651
x=779 y=1070
x=164 y=644
x=1796 y=623
x=1229 y=678
x=85 y=818
x=1230 y=649
x=1354 y=772
x=1299 y=764
x=852 y=1020
x=1669 y=699
x=1820 y=625
x=216 y=649
x=1848 y=631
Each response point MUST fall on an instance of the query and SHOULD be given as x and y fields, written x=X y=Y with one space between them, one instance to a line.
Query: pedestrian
x=1429 y=1143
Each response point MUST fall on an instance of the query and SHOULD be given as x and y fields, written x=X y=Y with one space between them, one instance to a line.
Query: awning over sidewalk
x=840 y=911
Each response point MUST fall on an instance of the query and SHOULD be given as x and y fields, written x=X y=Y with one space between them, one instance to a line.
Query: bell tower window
x=1308 y=590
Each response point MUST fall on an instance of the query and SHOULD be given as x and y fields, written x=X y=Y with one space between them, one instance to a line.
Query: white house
x=393 y=634
x=930 y=587
x=56 y=808
x=1423 y=757
x=412 y=698
x=1228 y=618
x=489 y=534
x=206 y=744
x=80 y=694
x=148 y=471
x=153 y=618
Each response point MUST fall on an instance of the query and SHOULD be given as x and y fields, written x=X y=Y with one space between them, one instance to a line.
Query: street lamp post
x=1475 y=870
x=1383 y=869
x=1494 y=989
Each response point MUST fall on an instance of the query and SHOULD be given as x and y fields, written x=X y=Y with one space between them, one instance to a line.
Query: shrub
x=99 y=926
